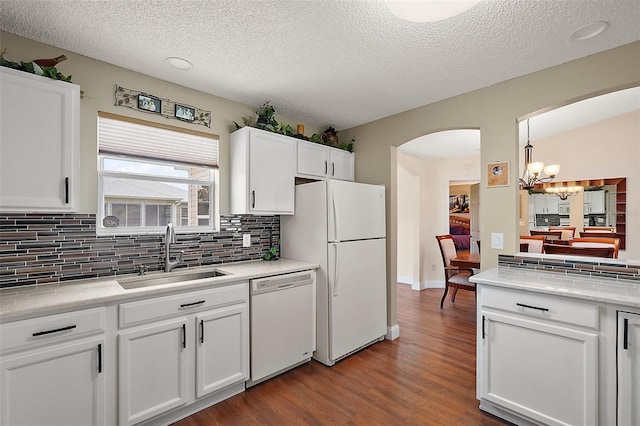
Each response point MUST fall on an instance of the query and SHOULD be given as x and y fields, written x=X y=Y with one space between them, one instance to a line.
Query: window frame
x=214 y=217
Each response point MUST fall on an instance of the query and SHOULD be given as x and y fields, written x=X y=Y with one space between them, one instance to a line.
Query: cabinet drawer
x=559 y=309
x=169 y=306
x=52 y=328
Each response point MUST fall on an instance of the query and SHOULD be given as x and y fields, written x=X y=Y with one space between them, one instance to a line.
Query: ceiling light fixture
x=179 y=63
x=589 y=30
x=428 y=10
x=563 y=192
x=532 y=171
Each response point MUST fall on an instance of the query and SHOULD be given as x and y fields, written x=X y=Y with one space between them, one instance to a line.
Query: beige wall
x=97 y=79
x=494 y=110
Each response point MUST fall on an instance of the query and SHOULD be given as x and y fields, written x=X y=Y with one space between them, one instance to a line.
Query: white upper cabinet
x=595 y=201
x=262 y=172
x=39 y=143
x=320 y=161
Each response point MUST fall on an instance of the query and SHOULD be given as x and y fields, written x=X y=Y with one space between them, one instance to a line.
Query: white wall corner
x=434 y=284
x=393 y=332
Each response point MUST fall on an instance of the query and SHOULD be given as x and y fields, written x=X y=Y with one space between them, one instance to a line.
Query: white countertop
x=618 y=292
x=28 y=301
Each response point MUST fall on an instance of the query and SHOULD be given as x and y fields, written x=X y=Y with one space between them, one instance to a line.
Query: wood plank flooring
x=426 y=377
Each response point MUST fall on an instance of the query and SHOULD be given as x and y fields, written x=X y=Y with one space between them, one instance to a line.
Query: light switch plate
x=246 y=240
x=497 y=240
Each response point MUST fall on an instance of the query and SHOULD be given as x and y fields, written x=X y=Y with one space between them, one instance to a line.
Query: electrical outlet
x=497 y=240
x=246 y=240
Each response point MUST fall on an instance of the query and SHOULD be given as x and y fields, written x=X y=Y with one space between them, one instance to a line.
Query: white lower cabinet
x=222 y=350
x=53 y=371
x=190 y=346
x=538 y=357
x=153 y=370
x=628 y=364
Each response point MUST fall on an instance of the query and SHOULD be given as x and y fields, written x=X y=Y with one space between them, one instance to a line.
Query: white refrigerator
x=341 y=226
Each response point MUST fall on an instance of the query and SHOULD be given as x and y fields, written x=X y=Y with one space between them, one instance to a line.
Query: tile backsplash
x=589 y=266
x=44 y=248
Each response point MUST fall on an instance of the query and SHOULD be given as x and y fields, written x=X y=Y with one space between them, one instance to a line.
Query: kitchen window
x=150 y=175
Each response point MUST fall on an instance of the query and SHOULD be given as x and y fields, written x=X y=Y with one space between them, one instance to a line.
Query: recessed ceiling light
x=428 y=10
x=181 y=64
x=589 y=30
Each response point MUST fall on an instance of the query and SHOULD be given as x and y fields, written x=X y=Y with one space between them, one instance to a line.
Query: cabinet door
x=596 y=201
x=271 y=173
x=341 y=165
x=39 y=143
x=313 y=159
x=222 y=357
x=62 y=385
x=153 y=370
x=552 y=204
x=628 y=368
x=545 y=372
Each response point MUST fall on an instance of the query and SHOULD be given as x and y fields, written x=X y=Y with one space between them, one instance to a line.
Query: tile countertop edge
x=618 y=292
x=17 y=303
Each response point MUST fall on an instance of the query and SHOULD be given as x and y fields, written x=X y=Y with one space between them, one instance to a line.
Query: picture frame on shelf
x=149 y=103
x=498 y=174
x=185 y=113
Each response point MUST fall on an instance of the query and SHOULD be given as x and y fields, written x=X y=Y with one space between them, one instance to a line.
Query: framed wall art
x=498 y=174
x=149 y=103
x=184 y=112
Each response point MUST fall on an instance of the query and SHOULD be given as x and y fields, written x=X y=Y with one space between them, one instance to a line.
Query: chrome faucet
x=170 y=238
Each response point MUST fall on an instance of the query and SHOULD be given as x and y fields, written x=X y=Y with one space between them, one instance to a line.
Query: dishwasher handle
x=280 y=283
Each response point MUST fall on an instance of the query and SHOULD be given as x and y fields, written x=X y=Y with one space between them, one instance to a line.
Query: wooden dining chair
x=549 y=235
x=579 y=251
x=454 y=277
x=597 y=242
x=568 y=232
x=535 y=242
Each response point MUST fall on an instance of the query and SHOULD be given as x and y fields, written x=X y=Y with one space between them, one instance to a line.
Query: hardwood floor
x=426 y=377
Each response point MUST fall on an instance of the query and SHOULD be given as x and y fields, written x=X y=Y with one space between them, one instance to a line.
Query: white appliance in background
x=283 y=323
x=341 y=226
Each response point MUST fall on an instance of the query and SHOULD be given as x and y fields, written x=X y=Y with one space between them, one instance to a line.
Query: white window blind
x=118 y=135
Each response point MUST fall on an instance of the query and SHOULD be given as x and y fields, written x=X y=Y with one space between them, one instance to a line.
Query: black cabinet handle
x=522 y=305
x=333 y=169
x=326 y=165
x=184 y=336
x=253 y=199
x=483 y=333
x=57 y=330
x=99 y=358
x=201 y=331
x=188 y=305
x=625 y=342
x=66 y=190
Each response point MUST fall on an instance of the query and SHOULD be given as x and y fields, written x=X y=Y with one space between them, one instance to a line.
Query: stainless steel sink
x=130 y=283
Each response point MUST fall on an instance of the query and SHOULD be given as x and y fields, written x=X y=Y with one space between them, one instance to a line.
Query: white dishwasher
x=283 y=323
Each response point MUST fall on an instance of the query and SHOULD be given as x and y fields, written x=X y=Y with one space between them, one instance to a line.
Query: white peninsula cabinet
x=39 y=143
x=538 y=356
x=262 y=172
x=50 y=362
x=321 y=161
x=628 y=363
x=174 y=350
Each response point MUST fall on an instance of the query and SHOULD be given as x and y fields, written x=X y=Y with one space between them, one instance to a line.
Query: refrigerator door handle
x=337 y=268
x=335 y=217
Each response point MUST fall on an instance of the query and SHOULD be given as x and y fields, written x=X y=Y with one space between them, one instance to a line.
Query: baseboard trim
x=393 y=332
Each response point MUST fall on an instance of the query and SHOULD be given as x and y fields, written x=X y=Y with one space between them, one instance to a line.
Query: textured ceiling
x=339 y=63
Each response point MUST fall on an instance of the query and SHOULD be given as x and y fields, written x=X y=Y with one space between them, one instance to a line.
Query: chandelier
x=564 y=192
x=533 y=172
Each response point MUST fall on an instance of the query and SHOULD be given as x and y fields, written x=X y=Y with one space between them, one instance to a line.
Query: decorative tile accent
x=605 y=268
x=43 y=248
